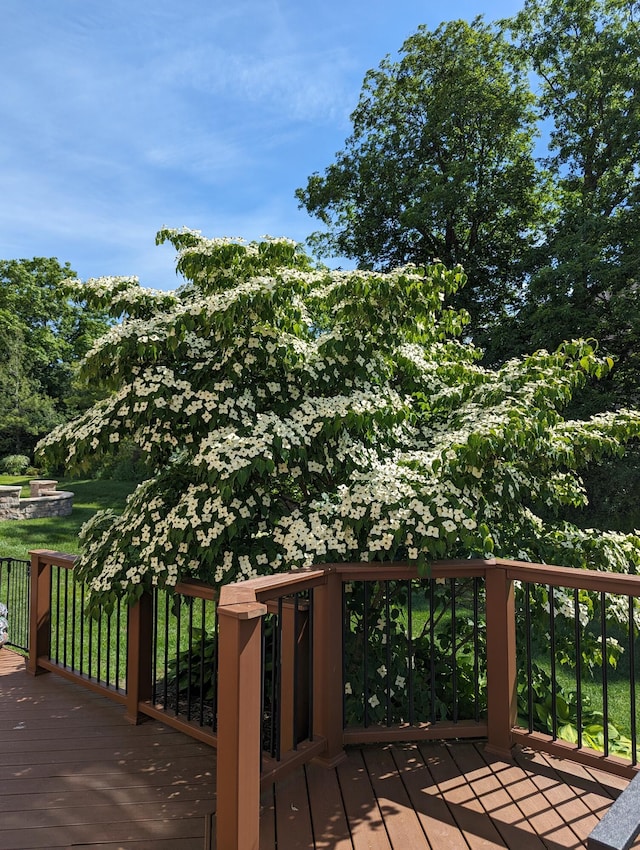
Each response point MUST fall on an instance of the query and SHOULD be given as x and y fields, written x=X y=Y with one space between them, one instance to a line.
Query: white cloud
x=120 y=117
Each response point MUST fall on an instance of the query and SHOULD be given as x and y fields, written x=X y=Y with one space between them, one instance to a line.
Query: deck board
x=75 y=774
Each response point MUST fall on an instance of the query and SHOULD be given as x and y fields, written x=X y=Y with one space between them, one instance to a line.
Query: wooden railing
x=133 y=655
x=277 y=664
x=242 y=608
x=14 y=593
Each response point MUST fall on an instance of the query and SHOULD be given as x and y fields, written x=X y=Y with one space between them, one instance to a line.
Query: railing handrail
x=264 y=588
x=624 y=584
x=271 y=586
x=55 y=559
x=267 y=587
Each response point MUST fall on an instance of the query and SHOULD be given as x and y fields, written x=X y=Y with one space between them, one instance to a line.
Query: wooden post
x=139 y=661
x=502 y=697
x=327 y=668
x=239 y=725
x=40 y=617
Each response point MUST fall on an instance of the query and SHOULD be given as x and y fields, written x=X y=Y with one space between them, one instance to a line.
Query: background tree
x=26 y=413
x=439 y=164
x=43 y=334
x=296 y=415
x=584 y=274
x=427 y=134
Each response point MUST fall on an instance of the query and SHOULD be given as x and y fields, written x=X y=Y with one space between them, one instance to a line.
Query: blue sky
x=123 y=116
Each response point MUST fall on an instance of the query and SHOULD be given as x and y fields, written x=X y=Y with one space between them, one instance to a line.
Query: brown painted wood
x=361 y=806
x=75 y=773
x=468 y=812
x=544 y=820
x=293 y=817
x=328 y=817
x=587 y=791
x=268 y=819
x=239 y=707
x=433 y=813
x=574 y=814
x=505 y=813
x=401 y=822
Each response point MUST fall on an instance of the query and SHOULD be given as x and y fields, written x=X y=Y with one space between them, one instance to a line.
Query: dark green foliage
x=44 y=331
x=583 y=275
x=193 y=671
x=448 y=675
x=439 y=164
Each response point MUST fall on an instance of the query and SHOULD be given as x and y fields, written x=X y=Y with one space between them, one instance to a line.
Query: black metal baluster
x=310 y=626
x=476 y=648
x=99 y=648
x=154 y=646
x=554 y=688
x=632 y=681
x=83 y=617
x=203 y=634
x=57 y=626
x=387 y=631
x=73 y=626
x=578 y=639
x=410 y=696
x=216 y=656
x=346 y=631
x=263 y=652
x=165 y=672
x=90 y=653
x=527 y=624
x=365 y=653
x=454 y=650
x=190 y=656
x=279 y=684
x=119 y=644
x=605 y=678
x=65 y=631
x=108 y=673
x=296 y=671
x=178 y=606
x=432 y=661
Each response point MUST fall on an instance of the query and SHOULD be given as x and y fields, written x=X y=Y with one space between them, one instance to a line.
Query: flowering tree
x=295 y=415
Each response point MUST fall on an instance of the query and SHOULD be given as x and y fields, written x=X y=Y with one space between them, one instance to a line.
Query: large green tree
x=439 y=165
x=44 y=332
x=584 y=274
x=26 y=412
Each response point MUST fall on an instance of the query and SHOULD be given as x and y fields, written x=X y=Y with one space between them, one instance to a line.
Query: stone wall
x=45 y=501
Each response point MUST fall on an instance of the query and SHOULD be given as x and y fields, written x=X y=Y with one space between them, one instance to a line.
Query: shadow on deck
x=76 y=774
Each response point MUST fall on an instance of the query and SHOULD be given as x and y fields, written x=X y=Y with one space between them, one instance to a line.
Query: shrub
x=14 y=464
x=293 y=415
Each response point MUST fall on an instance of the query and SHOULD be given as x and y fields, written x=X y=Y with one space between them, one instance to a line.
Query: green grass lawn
x=17 y=537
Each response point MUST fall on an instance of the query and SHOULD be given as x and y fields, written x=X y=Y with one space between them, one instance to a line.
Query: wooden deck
x=74 y=773
x=438 y=796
